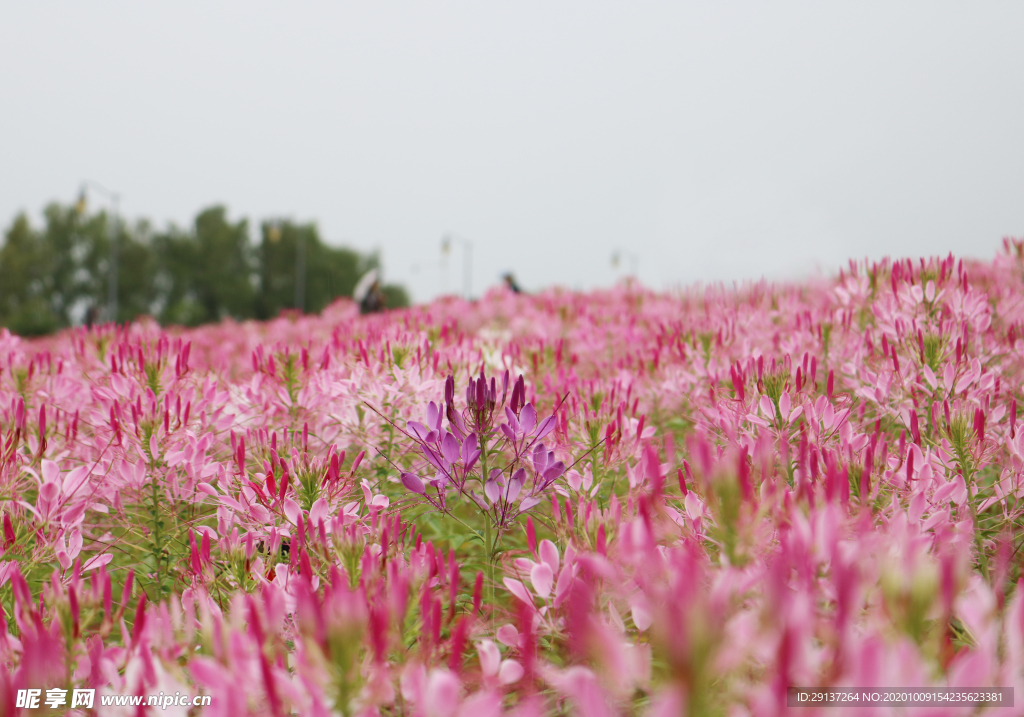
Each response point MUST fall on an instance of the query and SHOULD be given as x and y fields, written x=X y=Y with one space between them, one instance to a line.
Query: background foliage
x=57 y=275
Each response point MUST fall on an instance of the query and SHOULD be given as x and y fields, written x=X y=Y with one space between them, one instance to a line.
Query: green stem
x=391 y=431
x=158 y=541
x=488 y=540
x=978 y=540
x=490 y=554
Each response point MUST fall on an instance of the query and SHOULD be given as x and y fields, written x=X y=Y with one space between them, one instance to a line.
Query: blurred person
x=369 y=295
x=510 y=282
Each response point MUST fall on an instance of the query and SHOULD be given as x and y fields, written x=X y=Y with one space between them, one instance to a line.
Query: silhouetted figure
x=374 y=301
x=368 y=294
x=510 y=282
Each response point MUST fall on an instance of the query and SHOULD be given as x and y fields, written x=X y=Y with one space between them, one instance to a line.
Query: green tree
x=137 y=290
x=58 y=276
x=396 y=295
x=208 y=273
x=24 y=295
x=287 y=250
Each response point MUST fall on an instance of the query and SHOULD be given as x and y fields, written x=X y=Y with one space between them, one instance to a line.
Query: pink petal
x=450 y=448
x=490 y=657
x=518 y=589
x=51 y=472
x=259 y=513
x=514 y=487
x=528 y=503
x=549 y=554
x=491 y=491
x=97 y=561
x=508 y=635
x=318 y=511
x=828 y=416
x=542 y=579
x=75 y=479
x=528 y=418
x=209 y=490
x=784 y=405
x=442 y=693
x=546 y=426
x=75 y=543
x=292 y=511
x=574 y=479
x=49 y=492
x=562 y=588
x=511 y=671
x=641 y=615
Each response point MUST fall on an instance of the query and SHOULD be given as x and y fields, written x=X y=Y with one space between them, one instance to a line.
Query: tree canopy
x=58 y=275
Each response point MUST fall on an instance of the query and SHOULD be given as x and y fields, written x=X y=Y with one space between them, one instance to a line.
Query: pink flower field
x=611 y=503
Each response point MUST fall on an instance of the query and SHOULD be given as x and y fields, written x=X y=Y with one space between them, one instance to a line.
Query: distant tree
x=177 y=253
x=137 y=290
x=396 y=295
x=287 y=249
x=25 y=297
x=58 y=276
x=208 y=273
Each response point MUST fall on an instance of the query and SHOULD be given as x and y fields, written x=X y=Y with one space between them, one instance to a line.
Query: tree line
x=58 y=275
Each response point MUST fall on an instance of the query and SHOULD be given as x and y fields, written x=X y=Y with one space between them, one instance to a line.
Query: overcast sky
x=708 y=140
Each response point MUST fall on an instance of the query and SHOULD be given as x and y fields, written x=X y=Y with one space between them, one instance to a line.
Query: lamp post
x=467 y=255
x=300 y=270
x=115 y=201
x=634 y=260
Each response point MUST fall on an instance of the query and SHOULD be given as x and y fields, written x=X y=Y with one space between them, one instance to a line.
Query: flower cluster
x=472 y=436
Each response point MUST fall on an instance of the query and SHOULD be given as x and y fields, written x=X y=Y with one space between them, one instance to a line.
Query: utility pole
x=634 y=260
x=115 y=201
x=300 y=270
x=467 y=256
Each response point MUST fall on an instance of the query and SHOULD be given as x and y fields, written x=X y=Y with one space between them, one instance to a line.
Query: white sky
x=716 y=140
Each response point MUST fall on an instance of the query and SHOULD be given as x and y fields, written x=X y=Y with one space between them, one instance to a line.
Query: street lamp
x=467 y=255
x=115 y=200
x=300 y=270
x=274 y=235
x=633 y=260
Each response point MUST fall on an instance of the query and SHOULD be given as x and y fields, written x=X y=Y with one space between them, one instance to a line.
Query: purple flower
x=413 y=482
